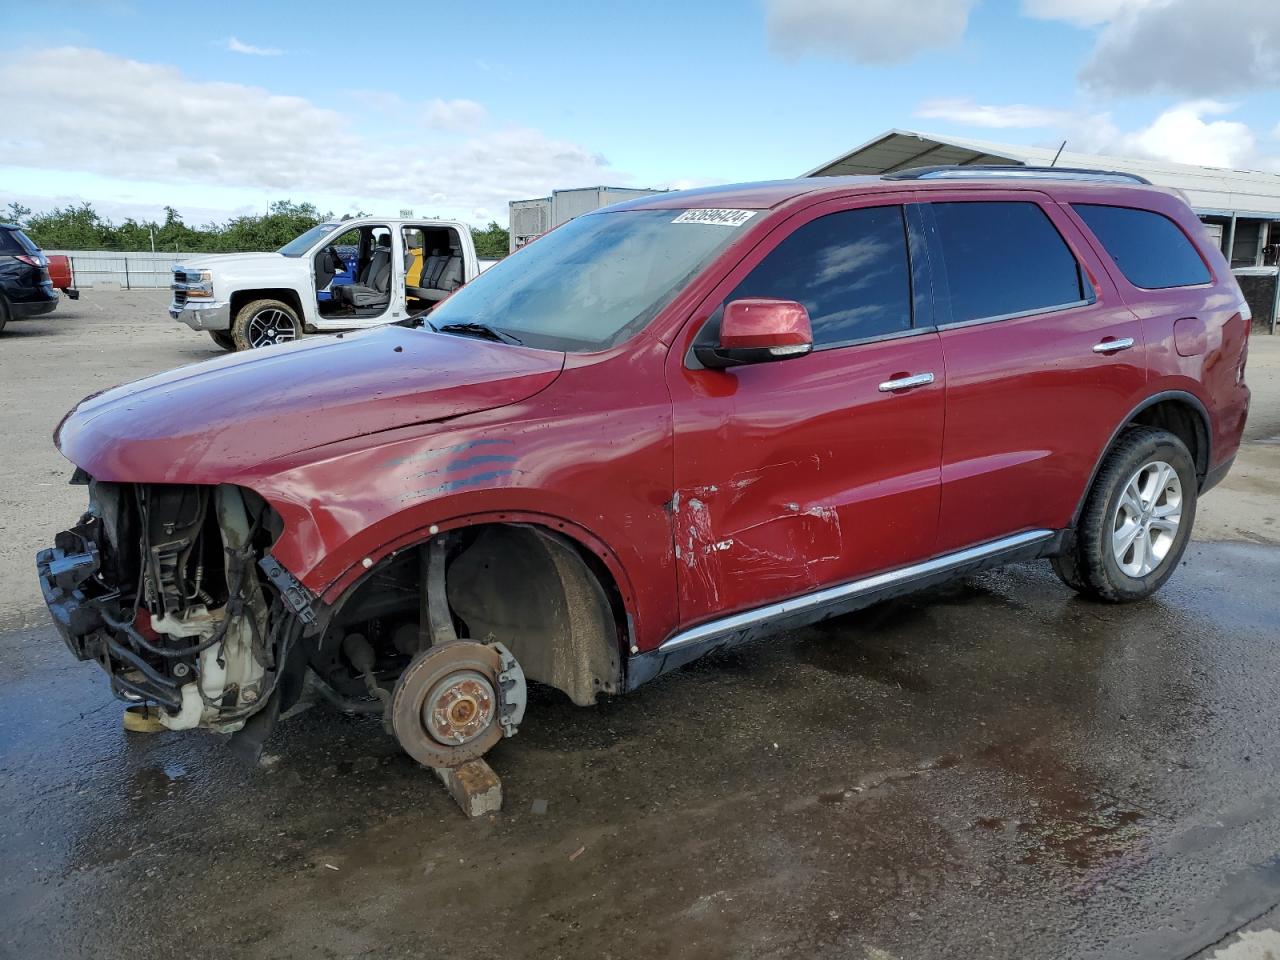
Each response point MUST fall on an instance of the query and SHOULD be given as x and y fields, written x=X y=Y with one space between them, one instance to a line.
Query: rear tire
x=223 y=339
x=4 y=313
x=1136 y=521
x=264 y=323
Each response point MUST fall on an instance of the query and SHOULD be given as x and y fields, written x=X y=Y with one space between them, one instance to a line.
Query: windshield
x=300 y=245
x=593 y=282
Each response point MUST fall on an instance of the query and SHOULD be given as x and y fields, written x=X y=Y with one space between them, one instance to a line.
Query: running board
x=829 y=602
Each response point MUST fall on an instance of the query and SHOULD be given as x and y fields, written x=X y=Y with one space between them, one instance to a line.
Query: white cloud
x=1083 y=13
x=237 y=46
x=144 y=122
x=965 y=111
x=1183 y=134
x=1188 y=132
x=865 y=31
x=455 y=114
x=1187 y=47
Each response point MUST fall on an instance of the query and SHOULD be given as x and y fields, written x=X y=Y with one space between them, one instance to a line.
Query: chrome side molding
x=785 y=609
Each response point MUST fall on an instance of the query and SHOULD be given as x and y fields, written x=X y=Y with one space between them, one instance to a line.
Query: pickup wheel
x=264 y=323
x=223 y=338
x=1136 y=521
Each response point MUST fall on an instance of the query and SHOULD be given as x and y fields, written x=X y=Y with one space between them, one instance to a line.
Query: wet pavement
x=996 y=769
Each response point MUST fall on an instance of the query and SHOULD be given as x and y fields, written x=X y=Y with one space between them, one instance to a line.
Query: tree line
x=80 y=227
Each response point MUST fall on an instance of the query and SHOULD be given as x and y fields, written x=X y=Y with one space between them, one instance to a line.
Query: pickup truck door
x=807 y=472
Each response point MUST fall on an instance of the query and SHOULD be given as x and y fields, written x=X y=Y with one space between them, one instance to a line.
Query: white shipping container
x=567 y=204
x=528 y=219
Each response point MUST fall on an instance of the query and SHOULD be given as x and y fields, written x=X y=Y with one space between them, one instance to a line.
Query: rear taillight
x=31 y=260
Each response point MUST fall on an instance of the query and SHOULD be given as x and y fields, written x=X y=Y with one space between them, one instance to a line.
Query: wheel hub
x=456 y=700
x=459 y=708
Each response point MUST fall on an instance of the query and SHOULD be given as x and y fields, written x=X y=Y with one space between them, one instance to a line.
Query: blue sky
x=454 y=109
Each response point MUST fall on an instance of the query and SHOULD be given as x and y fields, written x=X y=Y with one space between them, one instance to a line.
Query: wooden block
x=474 y=786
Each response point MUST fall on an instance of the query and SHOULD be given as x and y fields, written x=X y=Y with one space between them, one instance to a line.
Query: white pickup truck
x=400 y=269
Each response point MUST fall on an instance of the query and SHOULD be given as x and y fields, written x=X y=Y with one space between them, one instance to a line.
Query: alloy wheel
x=1146 y=519
x=271 y=326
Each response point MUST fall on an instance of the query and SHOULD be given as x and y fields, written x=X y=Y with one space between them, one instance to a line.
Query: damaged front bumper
x=162 y=587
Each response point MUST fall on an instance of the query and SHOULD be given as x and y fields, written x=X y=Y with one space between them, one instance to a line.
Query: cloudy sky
x=455 y=109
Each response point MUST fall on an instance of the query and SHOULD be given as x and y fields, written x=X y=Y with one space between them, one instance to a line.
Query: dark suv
x=25 y=287
x=661 y=429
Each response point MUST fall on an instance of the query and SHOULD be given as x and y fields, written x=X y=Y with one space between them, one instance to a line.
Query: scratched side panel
x=800 y=474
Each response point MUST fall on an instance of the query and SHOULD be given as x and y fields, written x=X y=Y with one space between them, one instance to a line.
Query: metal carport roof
x=1210 y=190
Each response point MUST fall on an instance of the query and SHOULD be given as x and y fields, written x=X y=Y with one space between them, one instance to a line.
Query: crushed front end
x=171 y=589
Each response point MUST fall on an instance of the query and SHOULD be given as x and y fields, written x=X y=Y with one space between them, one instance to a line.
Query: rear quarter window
x=9 y=245
x=1150 y=249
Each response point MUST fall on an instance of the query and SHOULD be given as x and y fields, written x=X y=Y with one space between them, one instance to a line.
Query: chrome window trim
x=734 y=623
x=878 y=338
x=1034 y=312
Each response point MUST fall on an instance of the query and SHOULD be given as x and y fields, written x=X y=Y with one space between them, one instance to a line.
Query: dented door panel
x=795 y=475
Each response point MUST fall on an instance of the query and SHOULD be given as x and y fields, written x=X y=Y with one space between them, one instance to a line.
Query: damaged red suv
x=664 y=428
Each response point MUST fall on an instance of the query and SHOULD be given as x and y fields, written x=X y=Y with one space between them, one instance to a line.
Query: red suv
x=664 y=428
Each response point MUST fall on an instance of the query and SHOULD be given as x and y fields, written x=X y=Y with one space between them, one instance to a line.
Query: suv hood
x=207 y=422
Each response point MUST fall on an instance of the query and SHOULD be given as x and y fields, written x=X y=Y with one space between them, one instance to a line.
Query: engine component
x=456 y=700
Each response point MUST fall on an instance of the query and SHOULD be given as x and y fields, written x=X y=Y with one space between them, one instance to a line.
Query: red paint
x=702 y=492
x=761 y=322
x=60 y=271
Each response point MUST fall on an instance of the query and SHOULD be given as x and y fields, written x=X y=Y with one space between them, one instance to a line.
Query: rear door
x=1043 y=361
x=802 y=473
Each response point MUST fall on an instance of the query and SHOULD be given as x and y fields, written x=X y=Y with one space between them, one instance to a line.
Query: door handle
x=1113 y=346
x=907 y=383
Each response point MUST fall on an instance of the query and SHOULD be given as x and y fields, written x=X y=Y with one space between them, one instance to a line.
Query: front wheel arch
x=545 y=596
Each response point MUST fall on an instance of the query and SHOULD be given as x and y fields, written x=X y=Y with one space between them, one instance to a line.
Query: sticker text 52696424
x=723 y=218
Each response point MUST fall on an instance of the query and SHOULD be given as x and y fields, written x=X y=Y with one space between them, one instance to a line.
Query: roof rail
x=1013 y=171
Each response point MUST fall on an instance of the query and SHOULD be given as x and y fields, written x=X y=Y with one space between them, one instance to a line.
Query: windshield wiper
x=475 y=329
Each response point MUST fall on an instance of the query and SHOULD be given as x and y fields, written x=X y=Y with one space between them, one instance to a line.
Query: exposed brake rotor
x=456 y=700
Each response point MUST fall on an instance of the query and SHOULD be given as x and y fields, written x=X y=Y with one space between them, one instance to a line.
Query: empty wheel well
x=1185 y=422
x=241 y=297
x=545 y=597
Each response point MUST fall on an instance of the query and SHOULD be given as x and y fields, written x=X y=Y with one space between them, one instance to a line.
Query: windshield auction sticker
x=723 y=218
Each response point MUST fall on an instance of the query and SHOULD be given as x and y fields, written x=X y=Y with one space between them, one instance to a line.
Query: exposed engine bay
x=174 y=592
x=161 y=585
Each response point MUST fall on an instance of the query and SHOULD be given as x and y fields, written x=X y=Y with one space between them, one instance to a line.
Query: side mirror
x=758 y=330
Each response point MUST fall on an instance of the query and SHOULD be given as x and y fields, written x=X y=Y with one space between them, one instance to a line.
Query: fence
x=132 y=271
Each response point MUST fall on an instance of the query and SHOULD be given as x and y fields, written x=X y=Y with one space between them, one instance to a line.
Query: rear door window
x=849 y=269
x=1005 y=258
x=1150 y=249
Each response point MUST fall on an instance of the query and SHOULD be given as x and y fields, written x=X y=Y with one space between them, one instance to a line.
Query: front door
x=359 y=278
x=807 y=472
x=1043 y=362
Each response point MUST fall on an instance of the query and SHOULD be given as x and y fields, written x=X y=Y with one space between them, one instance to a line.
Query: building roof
x=1209 y=190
